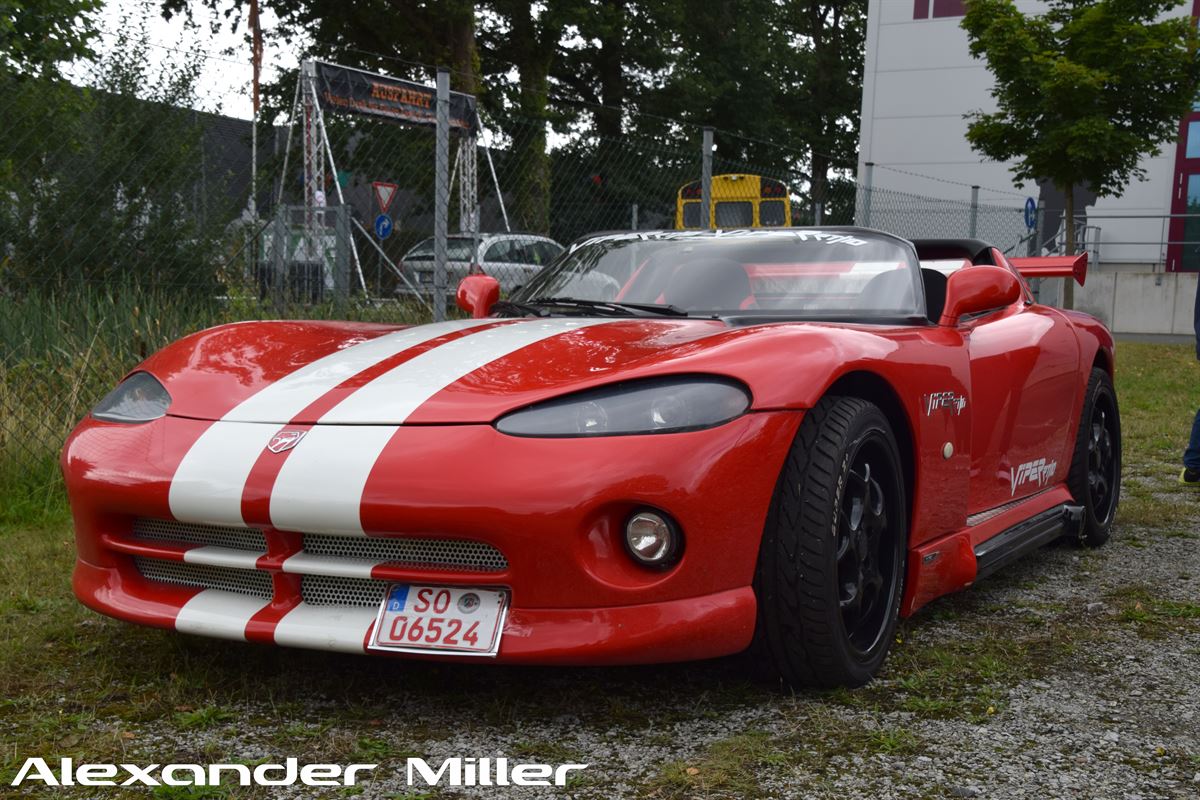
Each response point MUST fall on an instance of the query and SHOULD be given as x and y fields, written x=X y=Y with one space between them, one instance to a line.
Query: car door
x=1024 y=365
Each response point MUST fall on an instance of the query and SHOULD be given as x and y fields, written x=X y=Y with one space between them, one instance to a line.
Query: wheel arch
x=874 y=388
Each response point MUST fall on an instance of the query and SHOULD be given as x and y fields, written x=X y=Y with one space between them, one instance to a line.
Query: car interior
x=971 y=250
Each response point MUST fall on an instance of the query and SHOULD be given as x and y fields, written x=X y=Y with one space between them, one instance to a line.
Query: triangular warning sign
x=384 y=194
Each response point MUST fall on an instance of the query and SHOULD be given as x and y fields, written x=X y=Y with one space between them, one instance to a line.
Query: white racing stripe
x=214 y=556
x=208 y=483
x=319 y=488
x=207 y=486
x=308 y=564
x=341 y=628
x=287 y=397
x=217 y=613
x=393 y=396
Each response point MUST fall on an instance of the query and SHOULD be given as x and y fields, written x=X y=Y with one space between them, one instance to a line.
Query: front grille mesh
x=165 y=530
x=240 y=581
x=426 y=554
x=323 y=590
x=453 y=554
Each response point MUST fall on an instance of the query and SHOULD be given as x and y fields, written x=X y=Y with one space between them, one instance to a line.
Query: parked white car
x=510 y=258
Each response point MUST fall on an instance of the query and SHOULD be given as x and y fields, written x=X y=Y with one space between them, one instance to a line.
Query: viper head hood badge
x=285 y=440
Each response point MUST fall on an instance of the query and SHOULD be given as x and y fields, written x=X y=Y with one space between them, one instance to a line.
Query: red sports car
x=666 y=446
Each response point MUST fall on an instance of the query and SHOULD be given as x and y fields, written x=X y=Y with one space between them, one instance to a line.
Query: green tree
x=36 y=36
x=394 y=36
x=1083 y=91
x=113 y=185
x=823 y=110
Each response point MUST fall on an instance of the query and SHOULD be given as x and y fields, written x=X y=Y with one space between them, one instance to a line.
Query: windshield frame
x=533 y=290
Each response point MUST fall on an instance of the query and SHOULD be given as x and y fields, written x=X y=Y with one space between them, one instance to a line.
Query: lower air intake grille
x=165 y=530
x=241 y=581
x=322 y=590
x=449 y=554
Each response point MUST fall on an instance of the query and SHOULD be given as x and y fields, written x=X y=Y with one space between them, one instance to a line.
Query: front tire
x=831 y=565
x=1095 y=476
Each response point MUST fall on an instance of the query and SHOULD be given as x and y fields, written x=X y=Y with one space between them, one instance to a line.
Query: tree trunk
x=609 y=66
x=536 y=49
x=1069 y=285
x=464 y=57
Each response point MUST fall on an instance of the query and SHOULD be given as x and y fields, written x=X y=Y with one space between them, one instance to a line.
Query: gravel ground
x=1072 y=674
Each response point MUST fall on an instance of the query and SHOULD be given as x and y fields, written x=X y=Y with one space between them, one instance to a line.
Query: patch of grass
x=205 y=717
x=1152 y=616
x=190 y=792
x=1156 y=391
x=728 y=768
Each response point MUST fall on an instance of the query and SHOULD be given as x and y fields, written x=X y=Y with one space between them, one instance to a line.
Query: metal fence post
x=341 y=274
x=441 y=193
x=279 y=254
x=868 y=179
x=974 y=211
x=818 y=212
x=633 y=217
x=1039 y=240
x=706 y=149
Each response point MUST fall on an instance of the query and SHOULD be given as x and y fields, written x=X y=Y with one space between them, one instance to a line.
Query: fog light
x=652 y=539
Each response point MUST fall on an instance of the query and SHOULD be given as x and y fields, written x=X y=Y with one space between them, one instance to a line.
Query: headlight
x=653 y=405
x=139 y=398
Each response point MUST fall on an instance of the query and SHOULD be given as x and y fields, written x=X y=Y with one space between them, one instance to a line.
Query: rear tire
x=831 y=565
x=1095 y=476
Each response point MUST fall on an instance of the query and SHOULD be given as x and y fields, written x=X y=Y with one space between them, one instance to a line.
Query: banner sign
x=356 y=91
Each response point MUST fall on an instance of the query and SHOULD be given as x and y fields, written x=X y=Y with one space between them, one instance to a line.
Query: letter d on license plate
x=440 y=619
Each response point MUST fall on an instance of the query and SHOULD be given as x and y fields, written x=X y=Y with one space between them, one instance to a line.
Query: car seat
x=935 y=293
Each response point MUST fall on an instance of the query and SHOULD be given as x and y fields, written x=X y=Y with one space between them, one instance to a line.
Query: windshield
x=803 y=273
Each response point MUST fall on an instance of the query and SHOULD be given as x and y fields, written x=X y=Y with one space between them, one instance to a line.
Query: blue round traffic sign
x=383 y=226
x=1030 y=213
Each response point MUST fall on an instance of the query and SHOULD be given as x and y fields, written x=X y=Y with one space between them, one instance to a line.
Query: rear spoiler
x=1052 y=266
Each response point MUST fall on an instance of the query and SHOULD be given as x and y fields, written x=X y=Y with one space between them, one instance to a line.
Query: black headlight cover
x=672 y=404
x=139 y=398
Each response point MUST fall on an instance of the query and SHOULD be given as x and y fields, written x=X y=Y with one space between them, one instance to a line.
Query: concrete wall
x=1134 y=302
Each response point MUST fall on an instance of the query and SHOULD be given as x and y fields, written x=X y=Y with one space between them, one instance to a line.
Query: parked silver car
x=510 y=258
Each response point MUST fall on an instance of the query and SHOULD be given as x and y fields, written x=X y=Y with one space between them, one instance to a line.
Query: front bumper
x=554 y=508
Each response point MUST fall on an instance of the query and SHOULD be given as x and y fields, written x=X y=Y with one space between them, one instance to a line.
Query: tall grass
x=60 y=352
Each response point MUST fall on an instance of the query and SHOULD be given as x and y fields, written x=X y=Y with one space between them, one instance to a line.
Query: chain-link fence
x=134 y=213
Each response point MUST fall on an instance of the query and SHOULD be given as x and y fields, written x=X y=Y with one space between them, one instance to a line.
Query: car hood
x=462 y=371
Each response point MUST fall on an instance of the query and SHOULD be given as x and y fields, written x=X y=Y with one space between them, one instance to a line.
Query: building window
x=1192 y=146
x=939 y=8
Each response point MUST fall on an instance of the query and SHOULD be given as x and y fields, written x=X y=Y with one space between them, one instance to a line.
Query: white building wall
x=919 y=82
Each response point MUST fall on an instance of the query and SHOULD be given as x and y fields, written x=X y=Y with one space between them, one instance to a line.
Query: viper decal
x=1037 y=472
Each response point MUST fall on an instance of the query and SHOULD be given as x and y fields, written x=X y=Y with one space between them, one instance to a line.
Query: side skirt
x=955 y=561
x=1009 y=545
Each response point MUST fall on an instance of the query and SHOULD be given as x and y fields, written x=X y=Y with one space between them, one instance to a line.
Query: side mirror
x=973 y=290
x=477 y=294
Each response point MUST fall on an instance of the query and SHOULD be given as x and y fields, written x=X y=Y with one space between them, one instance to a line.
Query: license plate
x=441 y=619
